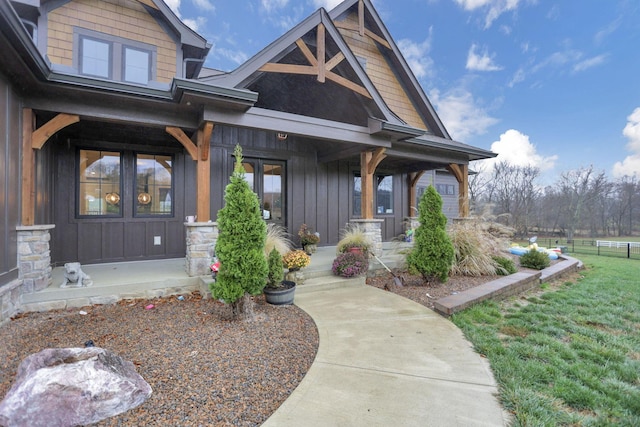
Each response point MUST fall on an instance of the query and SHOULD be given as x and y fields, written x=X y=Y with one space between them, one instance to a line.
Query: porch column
x=199 y=151
x=461 y=172
x=201 y=243
x=413 y=178
x=34 y=257
x=369 y=161
x=34 y=139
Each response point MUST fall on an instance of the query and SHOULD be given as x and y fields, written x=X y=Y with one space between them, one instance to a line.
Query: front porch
x=113 y=282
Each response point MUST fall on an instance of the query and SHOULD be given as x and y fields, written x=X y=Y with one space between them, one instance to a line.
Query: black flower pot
x=281 y=296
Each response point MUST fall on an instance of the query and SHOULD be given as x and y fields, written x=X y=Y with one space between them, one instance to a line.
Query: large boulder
x=72 y=386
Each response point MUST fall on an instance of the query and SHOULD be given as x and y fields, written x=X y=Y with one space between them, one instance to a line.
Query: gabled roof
x=193 y=45
x=390 y=50
x=311 y=71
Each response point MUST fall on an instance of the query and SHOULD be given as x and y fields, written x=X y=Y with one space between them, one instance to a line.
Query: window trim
x=78 y=215
x=356 y=174
x=118 y=46
x=134 y=186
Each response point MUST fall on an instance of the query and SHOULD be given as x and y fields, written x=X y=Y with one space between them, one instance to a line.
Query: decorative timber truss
x=318 y=65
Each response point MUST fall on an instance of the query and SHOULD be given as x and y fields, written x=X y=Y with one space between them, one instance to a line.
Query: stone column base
x=373 y=230
x=34 y=257
x=201 y=244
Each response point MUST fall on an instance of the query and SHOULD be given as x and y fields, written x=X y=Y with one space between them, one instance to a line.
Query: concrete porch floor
x=157 y=278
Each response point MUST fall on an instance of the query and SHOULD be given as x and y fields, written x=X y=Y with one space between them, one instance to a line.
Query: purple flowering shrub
x=350 y=265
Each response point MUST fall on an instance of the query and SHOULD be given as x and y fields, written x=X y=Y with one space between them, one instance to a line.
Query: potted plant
x=278 y=291
x=308 y=240
x=350 y=264
x=354 y=239
x=294 y=261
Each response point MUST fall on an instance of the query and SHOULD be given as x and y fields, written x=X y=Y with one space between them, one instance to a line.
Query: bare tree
x=579 y=188
x=514 y=192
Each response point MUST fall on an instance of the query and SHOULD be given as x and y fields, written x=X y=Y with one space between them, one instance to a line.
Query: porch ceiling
x=111 y=132
x=396 y=161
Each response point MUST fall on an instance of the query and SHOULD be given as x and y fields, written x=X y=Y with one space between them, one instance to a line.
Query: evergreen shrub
x=535 y=259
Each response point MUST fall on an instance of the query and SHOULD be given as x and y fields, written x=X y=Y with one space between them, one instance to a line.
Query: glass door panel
x=272 y=192
x=267 y=179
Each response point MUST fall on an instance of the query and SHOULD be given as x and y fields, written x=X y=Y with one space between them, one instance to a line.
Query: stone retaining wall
x=506 y=286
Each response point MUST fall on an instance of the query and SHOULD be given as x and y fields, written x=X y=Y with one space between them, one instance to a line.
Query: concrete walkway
x=384 y=360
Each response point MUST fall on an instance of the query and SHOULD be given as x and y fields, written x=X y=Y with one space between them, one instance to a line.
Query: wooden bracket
x=204 y=141
x=414 y=177
x=183 y=139
x=376 y=158
x=41 y=135
x=461 y=172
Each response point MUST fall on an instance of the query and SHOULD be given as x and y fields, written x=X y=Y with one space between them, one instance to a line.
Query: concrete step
x=329 y=282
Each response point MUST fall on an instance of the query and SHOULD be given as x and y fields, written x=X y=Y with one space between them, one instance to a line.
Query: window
x=446 y=189
x=383 y=195
x=357 y=195
x=137 y=65
x=99 y=186
x=95 y=58
x=115 y=58
x=154 y=185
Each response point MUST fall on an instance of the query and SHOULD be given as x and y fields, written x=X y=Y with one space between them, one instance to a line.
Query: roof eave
x=435 y=142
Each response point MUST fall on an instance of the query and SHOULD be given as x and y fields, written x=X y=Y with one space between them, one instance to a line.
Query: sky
x=551 y=84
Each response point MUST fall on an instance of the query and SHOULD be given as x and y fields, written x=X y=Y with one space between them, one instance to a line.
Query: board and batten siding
x=317 y=194
x=10 y=114
x=450 y=205
x=119 y=18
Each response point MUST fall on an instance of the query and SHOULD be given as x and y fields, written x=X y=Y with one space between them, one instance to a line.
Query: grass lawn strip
x=569 y=356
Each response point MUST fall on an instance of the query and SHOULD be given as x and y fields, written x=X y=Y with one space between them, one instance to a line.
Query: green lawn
x=570 y=356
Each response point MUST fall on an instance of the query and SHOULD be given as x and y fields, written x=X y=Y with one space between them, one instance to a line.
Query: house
x=114 y=131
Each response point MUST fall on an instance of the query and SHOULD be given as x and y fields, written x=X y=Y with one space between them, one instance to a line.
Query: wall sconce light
x=112 y=198
x=144 y=198
x=281 y=136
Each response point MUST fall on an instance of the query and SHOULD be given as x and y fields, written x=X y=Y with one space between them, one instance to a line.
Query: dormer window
x=137 y=65
x=95 y=58
x=114 y=58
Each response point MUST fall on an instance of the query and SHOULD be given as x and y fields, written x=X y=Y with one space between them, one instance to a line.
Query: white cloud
x=174 y=5
x=482 y=61
x=273 y=5
x=327 y=4
x=493 y=8
x=195 y=24
x=236 y=56
x=589 y=63
x=601 y=35
x=516 y=149
x=460 y=114
x=204 y=5
x=417 y=56
x=631 y=164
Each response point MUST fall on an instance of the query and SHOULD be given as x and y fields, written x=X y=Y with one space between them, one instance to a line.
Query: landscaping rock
x=72 y=386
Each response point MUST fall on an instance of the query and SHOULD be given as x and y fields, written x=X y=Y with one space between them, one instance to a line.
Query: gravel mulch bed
x=427 y=294
x=204 y=369
x=423 y=293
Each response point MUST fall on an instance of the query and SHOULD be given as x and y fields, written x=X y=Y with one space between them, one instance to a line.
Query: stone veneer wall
x=201 y=243
x=373 y=230
x=34 y=266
